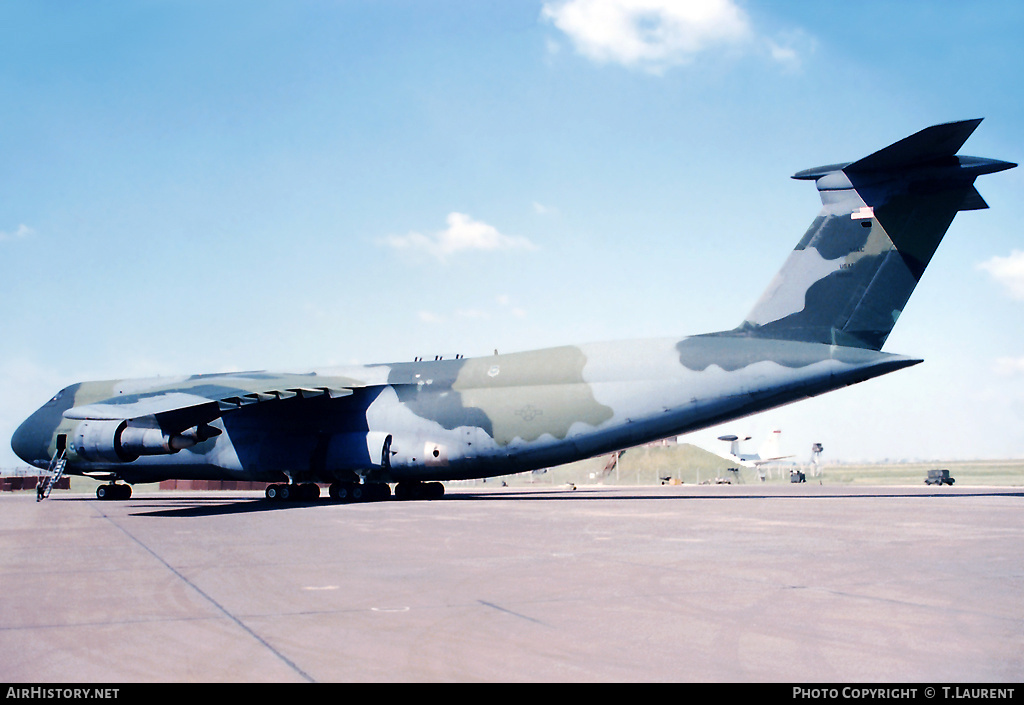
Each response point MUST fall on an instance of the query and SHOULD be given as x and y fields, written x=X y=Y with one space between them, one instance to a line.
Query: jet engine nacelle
x=116 y=441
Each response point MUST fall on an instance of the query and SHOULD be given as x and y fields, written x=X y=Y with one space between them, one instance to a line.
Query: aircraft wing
x=747 y=461
x=762 y=461
x=204 y=398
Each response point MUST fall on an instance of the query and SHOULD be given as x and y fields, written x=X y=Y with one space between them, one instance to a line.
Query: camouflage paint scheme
x=819 y=326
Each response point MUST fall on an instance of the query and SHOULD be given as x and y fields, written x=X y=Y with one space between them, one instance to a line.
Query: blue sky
x=211 y=186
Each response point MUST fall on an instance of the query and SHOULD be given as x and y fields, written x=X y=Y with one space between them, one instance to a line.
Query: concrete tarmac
x=800 y=584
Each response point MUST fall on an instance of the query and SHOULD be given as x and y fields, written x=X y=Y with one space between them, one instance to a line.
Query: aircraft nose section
x=28 y=442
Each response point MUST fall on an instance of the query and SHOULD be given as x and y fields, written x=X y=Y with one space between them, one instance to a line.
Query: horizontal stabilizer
x=928 y=145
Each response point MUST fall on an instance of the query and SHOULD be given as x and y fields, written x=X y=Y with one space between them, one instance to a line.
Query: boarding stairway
x=55 y=470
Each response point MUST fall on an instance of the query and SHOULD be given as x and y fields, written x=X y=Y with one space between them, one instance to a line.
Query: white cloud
x=785 y=55
x=463 y=233
x=506 y=303
x=21 y=233
x=655 y=35
x=473 y=313
x=1009 y=366
x=1008 y=271
x=649 y=34
x=429 y=317
x=501 y=309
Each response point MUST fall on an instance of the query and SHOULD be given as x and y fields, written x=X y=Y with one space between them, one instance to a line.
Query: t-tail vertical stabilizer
x=882 y=219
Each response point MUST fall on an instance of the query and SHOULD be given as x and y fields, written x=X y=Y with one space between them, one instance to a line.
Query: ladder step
x=56 y=470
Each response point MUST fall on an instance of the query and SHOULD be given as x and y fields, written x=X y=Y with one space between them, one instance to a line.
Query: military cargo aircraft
x=819 y=326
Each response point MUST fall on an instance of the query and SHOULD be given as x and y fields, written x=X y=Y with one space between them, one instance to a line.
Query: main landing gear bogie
x=113 y=491
x=419 y=490
x=305 y=492
x=355 y=492
x=341 y=491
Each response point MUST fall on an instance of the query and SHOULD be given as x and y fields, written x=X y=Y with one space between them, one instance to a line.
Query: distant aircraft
x=819 y=326
x=768 y=453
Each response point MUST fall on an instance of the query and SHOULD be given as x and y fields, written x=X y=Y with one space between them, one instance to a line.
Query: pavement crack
x=209 y=598
x=508 y=611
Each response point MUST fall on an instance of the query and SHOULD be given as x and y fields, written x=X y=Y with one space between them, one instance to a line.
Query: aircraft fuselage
x=465 y=418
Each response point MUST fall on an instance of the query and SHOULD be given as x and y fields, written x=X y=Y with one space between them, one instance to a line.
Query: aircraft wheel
x=308 y=492
x=341 y=491
x=111 y=491
x=277 y=492
x=379 y=491
x=419 y=490
x=373 y=491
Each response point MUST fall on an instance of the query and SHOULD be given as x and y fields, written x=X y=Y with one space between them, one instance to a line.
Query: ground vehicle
x=939 y=477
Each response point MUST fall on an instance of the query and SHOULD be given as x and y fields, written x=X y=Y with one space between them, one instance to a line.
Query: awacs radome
x=819 y=326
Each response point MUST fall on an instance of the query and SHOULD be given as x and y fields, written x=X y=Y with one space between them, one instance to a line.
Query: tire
x=405 y=490
x=380 y=491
